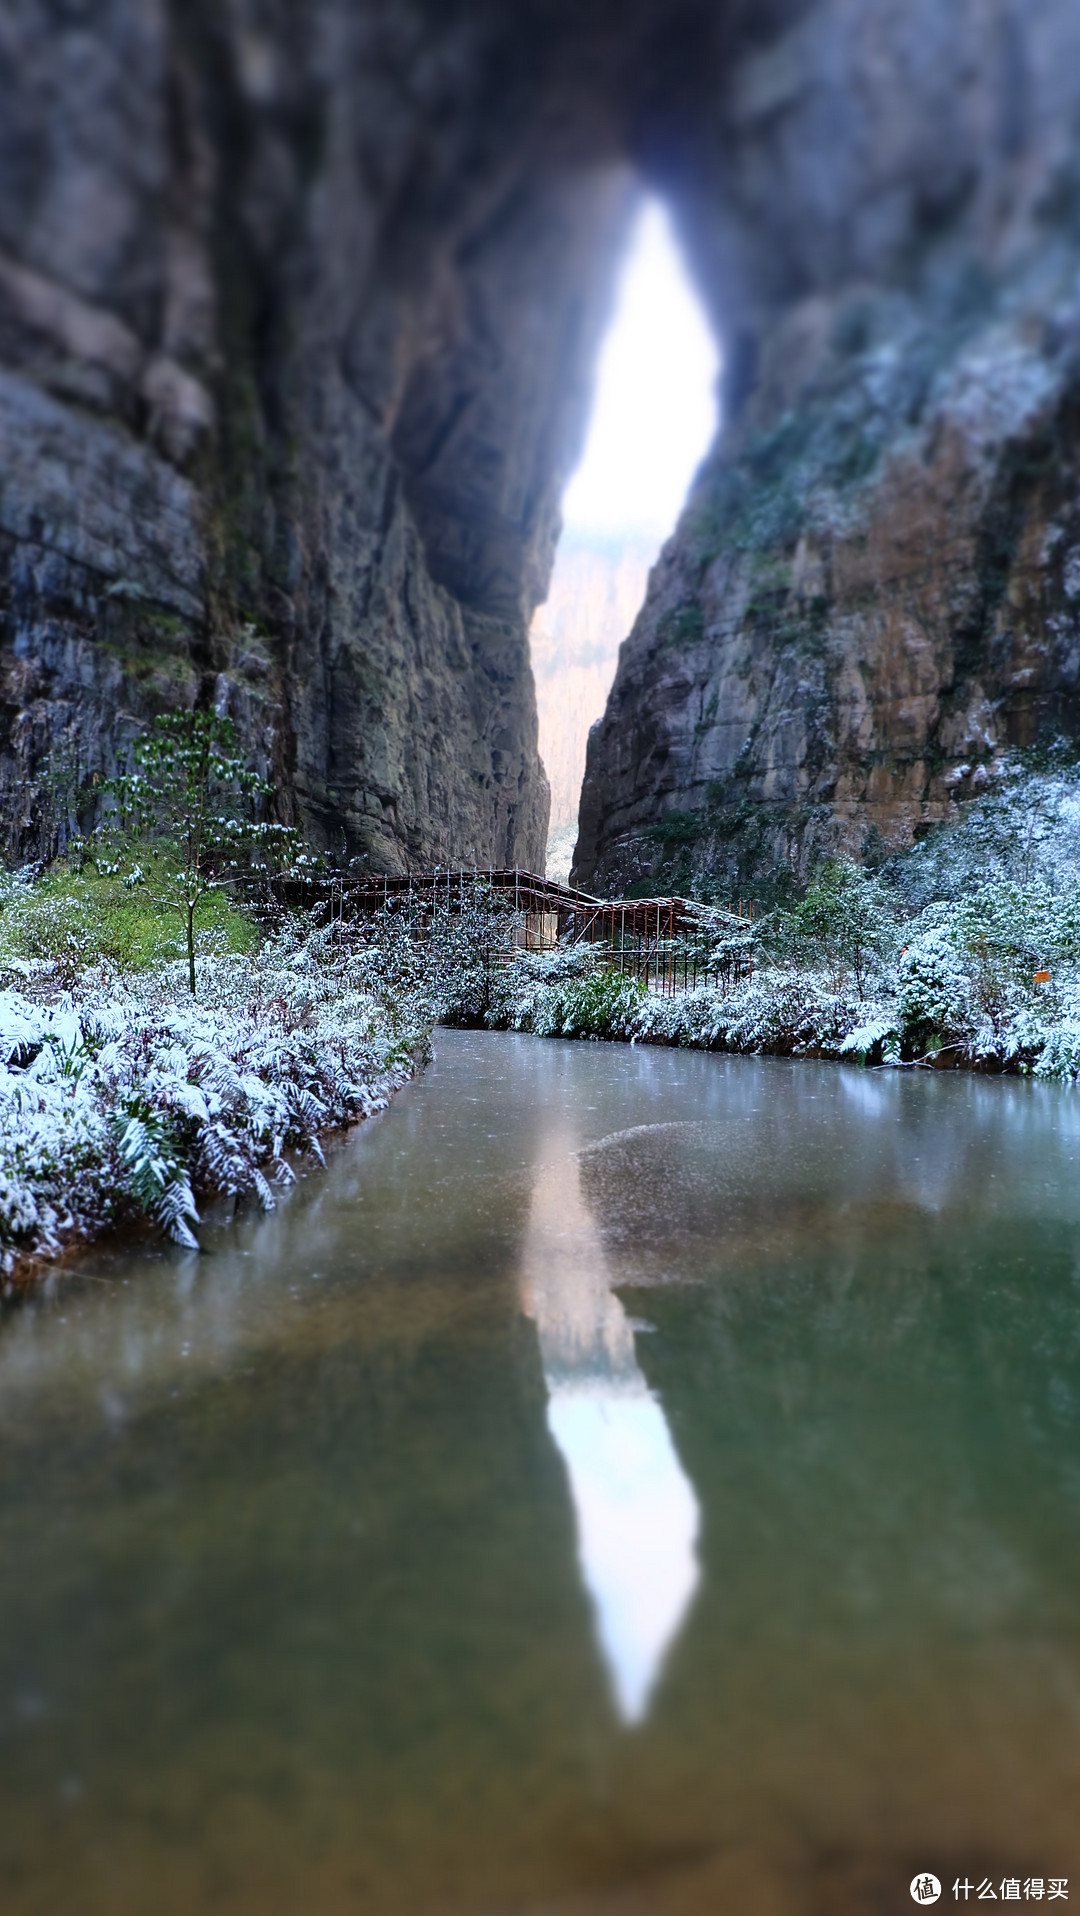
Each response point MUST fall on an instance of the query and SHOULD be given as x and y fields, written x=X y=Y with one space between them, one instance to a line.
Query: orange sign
x=1042 y=977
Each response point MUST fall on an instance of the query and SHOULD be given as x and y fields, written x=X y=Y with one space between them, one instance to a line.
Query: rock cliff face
x=298 y=306
x=876 y=583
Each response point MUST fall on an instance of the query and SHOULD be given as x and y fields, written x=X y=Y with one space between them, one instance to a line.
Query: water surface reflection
x=337 y=1564
x=637 y=1516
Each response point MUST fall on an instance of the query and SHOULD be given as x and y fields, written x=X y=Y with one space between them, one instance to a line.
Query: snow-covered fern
x=121 y=1096
x=154 y=1173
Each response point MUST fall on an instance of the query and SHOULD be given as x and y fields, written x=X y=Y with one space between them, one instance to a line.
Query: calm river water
x=628 y=1480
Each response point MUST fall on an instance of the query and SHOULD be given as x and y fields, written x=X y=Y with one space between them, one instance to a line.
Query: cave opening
x=653 y=418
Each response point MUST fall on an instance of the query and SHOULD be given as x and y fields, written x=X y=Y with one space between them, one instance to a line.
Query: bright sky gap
x=654 y=414
x=653 y=419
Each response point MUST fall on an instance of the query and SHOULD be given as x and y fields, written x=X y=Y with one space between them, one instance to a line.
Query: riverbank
x=929 y=1009
x=963 y=952
x=123 y=1098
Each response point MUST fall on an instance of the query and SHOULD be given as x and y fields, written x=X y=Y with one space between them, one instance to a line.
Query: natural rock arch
x=298 y=307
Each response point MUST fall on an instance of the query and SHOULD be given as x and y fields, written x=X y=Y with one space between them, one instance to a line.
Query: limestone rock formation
x=875 y=586
x=298 y=309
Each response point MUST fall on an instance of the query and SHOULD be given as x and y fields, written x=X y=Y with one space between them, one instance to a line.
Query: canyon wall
x=875 y=587
x=298 y=310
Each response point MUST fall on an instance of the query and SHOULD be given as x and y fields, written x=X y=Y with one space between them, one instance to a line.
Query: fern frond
x=174 y=1208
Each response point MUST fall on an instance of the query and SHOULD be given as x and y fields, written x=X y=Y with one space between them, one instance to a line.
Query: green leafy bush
x=564 y=994
x=844 y=924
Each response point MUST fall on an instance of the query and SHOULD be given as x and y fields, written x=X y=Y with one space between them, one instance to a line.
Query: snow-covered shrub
x=787 y=1014
x=935 y=997
x=602 y=1005
x=436 y=959
x=157 y=1177
x=875 y=1041
x=1054 y=1051
x=123 y=1097
x=570 y=993
x=845 y=925
x=20 y=1219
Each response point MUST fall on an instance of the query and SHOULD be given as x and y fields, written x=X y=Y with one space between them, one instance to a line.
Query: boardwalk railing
x=671 y=944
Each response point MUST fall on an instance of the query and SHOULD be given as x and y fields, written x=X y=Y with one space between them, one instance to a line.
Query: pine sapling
x=192 y=794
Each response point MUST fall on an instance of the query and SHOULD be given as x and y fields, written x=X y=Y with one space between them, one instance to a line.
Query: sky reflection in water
x=330 y=1581
x=637 y=1515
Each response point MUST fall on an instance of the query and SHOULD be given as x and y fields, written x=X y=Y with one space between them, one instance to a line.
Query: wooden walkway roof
x=579 y=913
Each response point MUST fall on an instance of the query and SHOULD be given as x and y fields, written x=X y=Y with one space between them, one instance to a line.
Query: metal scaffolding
x=672 y=944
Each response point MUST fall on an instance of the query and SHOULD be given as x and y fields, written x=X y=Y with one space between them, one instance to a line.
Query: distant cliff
x=596 y=592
